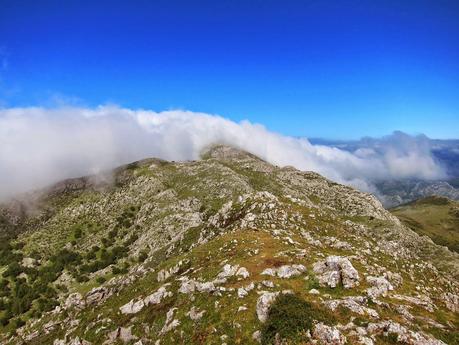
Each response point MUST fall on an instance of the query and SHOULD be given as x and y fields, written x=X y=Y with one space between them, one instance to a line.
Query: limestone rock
x=403 y=334
x=285 y=271
x=379 y=286
x=133 y=307
x=451 y=301
x=335 y=270
x=328 y=335
x=75 y=300
x=194 y=314
x=121 y=333
x=264 y=303
x=97 y=295
x=170 y=323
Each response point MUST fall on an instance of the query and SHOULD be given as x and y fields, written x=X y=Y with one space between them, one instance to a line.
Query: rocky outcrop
x=75 y=300
x=335 y=270
x=379 y=286
x=356 y=304
x=402 y=334
x=230 y=271
x=124 y=334
x=97 y=295
x=328 y=335
x=133 y=307
x=285 y=271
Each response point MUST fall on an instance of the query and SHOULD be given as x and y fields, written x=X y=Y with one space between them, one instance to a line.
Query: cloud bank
x=39 y=146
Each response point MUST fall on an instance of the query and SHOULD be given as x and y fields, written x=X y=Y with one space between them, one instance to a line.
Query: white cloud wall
x=39 y=146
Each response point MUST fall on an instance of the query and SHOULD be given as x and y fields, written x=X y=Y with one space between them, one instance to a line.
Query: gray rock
x=97 y=295
x=285 y=271
x=194 y=314
x=328 y=335
x=451 y=301
x=264 y=303
x=75 y=300
x=379 y=286
x=404 y=335
x=170 y=323
x=335 y=270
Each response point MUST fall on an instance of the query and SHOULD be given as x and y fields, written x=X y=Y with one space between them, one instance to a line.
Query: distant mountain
x=225 y=250
x=397 y=192
x=436 y=217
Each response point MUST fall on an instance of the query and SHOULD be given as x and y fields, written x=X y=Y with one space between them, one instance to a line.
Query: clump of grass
x=291 y=317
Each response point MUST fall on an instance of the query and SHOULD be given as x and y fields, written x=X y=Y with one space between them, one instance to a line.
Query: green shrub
x=142 y=256
x=291 y=317
x=78 y=233
x=82 y=278
x=101 y=280
x=13 y=270
x=19 y=323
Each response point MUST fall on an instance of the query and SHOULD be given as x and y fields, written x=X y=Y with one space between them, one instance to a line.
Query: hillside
x=398 y=192
x=436 y=217
x=225 y=250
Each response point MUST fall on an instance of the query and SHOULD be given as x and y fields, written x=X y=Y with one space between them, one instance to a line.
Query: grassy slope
x=435 y=217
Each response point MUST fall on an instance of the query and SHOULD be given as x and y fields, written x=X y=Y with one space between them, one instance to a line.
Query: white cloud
x=39 y=146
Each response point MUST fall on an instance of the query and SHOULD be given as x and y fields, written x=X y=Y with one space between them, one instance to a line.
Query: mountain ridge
x=231 y=230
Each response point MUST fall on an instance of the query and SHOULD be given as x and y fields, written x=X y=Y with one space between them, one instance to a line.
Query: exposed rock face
x=74 y=341
x=229 y=271
x=335 y=270
x=328 y=335
x=132 y=307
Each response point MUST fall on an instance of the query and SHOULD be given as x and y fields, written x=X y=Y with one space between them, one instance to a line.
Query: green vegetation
x=291 y=317
x=435 y=217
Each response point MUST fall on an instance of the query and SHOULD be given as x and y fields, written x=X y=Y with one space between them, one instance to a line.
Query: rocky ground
x=225 y=250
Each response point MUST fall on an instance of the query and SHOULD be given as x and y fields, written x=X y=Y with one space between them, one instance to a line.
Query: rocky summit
x=224 y=250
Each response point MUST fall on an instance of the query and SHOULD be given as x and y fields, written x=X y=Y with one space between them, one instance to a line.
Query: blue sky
x=336 y=69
